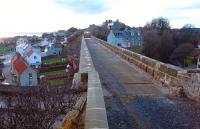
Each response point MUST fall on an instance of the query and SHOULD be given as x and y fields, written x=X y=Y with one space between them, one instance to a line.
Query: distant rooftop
x=196 y=29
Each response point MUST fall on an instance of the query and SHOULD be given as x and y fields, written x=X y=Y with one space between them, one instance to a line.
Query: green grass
x=108 y=106
x=53 y=73
x=55 y=60
x=136 y=49
x=6 y=48
x=55 y=82
x=190 y=61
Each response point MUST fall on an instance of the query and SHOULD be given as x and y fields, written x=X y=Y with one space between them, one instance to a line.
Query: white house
x=23 y=74
x=198 y=45
x=27 y=52
x=44 y=42
x=50 y=48
x=126 y=38
x=22 y=48
x=21 y=40
x=198 y=62
x=55 y=49
x=33 y=58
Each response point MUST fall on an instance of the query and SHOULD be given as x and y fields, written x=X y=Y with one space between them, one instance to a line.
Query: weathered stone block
x=163 y=68
x=172 y=72
x=150 y=71
x=148 y=61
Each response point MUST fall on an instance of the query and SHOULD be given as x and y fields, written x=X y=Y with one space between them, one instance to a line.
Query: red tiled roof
x=14 y=58
x=30 y=53
x=18 y=64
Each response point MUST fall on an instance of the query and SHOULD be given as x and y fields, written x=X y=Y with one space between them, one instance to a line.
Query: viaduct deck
x=134 y=101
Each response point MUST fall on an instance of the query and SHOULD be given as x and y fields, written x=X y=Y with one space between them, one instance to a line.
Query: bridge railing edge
x=96 y=116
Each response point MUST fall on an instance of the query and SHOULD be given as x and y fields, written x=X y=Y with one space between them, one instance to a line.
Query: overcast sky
x=52 y=15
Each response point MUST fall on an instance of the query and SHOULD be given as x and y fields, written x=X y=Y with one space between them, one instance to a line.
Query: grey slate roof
x=129 y=35
x=57 y=45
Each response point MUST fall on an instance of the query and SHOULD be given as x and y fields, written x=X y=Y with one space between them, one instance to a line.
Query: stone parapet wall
x=191 y=85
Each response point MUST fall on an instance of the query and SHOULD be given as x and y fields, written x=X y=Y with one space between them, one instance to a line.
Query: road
x=134 y=101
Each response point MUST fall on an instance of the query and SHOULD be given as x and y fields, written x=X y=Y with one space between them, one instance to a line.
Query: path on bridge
x=133 y=101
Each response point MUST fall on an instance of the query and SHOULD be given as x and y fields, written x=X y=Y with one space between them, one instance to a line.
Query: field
x=55 y=82
x=55 y=60
x=53 y=73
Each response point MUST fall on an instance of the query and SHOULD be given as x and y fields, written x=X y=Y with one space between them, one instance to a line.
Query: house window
x=35 y=57
x=30 y=76
x=118 y=44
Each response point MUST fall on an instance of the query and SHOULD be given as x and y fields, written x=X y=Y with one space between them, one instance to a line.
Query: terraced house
x=126 y=38
x=55 y=49
x=32 y=57
x=23 y=74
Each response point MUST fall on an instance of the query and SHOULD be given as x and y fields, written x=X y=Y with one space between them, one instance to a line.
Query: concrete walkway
x=134 y=101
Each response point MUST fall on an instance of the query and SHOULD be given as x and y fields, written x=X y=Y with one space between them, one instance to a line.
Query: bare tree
x=36 y=109
x=168 y=45
x=152 y=44
x=180 y=53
